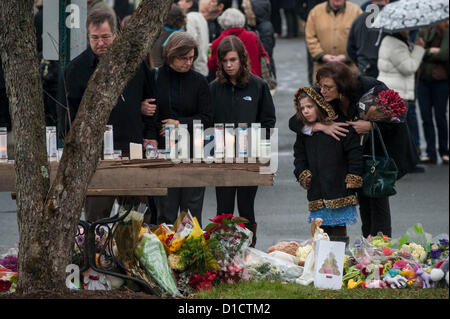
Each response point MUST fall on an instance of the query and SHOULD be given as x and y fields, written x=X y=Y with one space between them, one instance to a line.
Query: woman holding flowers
x=343 y=89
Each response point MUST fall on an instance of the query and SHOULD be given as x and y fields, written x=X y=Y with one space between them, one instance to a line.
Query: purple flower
x=443 y=241
x=9 y=262
x=435 y=254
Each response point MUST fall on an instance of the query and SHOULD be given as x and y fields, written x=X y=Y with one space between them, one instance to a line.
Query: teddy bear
x=437 y=274
x=286 y=247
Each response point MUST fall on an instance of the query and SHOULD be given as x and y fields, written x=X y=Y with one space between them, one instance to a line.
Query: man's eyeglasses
x=104 y=38
x=326 y=88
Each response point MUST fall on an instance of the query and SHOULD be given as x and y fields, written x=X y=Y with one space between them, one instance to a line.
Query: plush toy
x=426 y=279
x=286 y=247
x=437 y=274
x=395 y=280
x=376 y=284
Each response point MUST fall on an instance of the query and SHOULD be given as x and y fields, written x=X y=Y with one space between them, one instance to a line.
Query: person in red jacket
x=232 y=22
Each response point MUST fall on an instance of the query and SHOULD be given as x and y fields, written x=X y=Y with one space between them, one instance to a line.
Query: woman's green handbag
x=380 y=172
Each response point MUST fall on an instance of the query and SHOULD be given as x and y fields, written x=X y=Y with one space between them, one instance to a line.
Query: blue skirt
x=336 y=217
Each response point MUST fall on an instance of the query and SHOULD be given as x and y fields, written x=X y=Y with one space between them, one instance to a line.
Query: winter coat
x=396 y=136
x=362 y=46
x=129 y=125
x=327 y=32
x=330 y=164
x=324 y=165
x=250 y=40
x=398 y=64
x=262 y=10
x=250 y=103
x=180 y=96
x=197 y=26
x=435 y=66
x=288 y=4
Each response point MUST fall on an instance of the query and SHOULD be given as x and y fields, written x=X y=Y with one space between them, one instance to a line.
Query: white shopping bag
x=329 y=264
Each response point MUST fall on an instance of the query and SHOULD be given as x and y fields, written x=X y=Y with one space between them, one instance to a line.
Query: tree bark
x=48 y=214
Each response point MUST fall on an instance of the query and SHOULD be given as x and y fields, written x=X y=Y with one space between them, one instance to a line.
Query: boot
x=337 y=233
x=253 y=230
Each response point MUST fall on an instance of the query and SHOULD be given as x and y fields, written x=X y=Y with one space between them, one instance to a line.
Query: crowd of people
x=206 y=66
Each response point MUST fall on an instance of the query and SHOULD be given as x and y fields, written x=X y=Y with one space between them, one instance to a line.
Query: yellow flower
x=353 y=284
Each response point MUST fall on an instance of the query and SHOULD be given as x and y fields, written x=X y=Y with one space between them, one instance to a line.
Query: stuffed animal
x=286 y=247
x=437 y=274
x=395 y=280
x=426 y=279
x=374 y=284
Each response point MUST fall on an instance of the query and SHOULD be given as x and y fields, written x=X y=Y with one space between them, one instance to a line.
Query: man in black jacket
x=363 y=42
x=129 y=124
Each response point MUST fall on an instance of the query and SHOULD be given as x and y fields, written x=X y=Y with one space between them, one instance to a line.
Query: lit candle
x=219 y=142
x=242 y=141
x=108 y=143
x=183 y=143
x=52 y=151
x=229 y=143
x=198 y=142
x=3 y=145
x=255 y=141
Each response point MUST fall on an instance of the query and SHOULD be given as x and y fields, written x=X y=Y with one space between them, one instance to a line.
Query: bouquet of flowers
x=382 y=106
x=233 y=239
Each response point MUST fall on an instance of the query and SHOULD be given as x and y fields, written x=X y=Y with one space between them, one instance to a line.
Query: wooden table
x=153 y=177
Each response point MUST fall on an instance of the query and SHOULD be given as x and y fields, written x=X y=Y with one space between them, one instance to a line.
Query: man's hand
x=335 y=129
x=148 y=108
x=168 y=121
x=360 y=126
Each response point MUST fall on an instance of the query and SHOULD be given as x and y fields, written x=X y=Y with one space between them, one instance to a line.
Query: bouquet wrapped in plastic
x=382 y=106
x=152 y=257
x=233 y=239
x=262 y=266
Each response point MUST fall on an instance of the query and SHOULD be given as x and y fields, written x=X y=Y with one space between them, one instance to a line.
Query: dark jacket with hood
x=324 y=165
x=396 y=136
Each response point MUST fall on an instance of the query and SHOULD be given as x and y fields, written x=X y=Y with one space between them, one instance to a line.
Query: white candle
x=219 y=141
x=3 y=145
x=230 y=141
x=52 y=151
x=198 y=142
x=183 y=143
x=255 y=140
x=108 y=143
x=242 y=140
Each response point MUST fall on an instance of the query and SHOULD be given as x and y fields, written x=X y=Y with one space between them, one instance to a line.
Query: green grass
x=278 y=290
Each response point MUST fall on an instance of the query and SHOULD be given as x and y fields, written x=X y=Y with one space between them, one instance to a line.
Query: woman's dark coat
x=396 y=136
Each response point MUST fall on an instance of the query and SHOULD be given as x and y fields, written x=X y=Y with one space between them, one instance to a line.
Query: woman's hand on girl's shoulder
x=334 y=129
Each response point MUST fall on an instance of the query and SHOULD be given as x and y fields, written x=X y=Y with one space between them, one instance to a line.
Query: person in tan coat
x=327 y=29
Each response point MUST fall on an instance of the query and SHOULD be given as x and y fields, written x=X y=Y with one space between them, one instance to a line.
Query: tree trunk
x=48 y=214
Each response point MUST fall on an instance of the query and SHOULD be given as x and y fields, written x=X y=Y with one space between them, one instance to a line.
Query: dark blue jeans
x=433 y=97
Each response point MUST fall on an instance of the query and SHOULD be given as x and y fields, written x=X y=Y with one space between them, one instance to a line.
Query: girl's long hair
x=228 y=44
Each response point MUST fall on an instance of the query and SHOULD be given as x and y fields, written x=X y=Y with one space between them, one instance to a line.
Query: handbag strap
x=372 y=141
